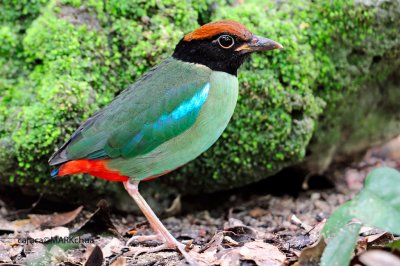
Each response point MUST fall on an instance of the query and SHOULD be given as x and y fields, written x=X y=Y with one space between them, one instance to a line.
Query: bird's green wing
x=161 y=105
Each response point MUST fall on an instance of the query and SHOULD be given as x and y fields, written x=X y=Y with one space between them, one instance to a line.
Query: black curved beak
x=258 y=43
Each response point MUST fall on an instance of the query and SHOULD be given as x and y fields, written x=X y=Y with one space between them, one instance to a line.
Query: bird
x=168 y=117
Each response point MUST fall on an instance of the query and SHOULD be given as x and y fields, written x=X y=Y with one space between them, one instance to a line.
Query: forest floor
x=269 y=223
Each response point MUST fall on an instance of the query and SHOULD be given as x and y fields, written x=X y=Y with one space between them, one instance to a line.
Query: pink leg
x=160 y=230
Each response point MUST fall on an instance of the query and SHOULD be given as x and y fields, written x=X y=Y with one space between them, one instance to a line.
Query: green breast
x=210 y=123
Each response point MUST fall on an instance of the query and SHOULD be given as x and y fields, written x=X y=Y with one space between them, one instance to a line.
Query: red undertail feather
x=96 y=168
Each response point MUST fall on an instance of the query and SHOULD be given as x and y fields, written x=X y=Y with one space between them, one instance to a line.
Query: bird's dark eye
x=226 y=41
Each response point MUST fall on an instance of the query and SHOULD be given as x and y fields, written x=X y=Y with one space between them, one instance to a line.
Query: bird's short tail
x=72 y=167
x=98 y=168
x=55 y=172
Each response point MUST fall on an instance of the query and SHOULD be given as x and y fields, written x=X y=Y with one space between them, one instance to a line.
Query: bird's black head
x=222 y=46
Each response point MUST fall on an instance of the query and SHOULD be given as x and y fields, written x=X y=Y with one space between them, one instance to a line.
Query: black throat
x=209 y=54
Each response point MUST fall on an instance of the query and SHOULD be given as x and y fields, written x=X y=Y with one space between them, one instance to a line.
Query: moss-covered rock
x=364 y=111
x=63 y=60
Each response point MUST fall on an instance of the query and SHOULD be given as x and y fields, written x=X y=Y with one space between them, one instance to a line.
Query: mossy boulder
x=330 y=93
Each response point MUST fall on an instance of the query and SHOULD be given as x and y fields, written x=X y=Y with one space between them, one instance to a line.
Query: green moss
x=60 y=61
x=75 y=60
x=357 y=85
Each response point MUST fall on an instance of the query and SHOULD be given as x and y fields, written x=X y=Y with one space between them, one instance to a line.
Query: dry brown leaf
x=206 y=258
x=17 y=225
x=257 y=212
x=365 y=231
x=240 y=233
x=132 y=232
x=232 y=222
x=230 y=257
x=379 y=257
x=207 y=254
x=361 y=246
x=230 y=241
x=121 y=261
x=114 y=246
x=262 y=253
x=258 y=251
x=214 y=243
x=381 y=239
x=295 y=220
x=94 y=256
x=76 y=257
x=315 y=233
x=45 y=235
x=311 y=256
x=175 y=208
x=56 y=219
x=99 y=221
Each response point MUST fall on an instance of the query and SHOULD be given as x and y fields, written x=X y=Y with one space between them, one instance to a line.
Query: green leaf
x=341 y=246
x=378 y=204
x=395 y=245
x=338 y=220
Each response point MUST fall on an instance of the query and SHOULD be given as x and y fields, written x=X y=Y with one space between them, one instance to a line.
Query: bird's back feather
x=161 y=105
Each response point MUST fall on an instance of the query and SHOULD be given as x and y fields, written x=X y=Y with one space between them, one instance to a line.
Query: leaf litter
x=244 y=230
x=53 y=220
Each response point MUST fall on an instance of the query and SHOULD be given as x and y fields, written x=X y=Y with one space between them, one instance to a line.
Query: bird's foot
x=144 y=238
x=171 y=244
x=180 y=248
x=150 y=249
x=167 y=243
